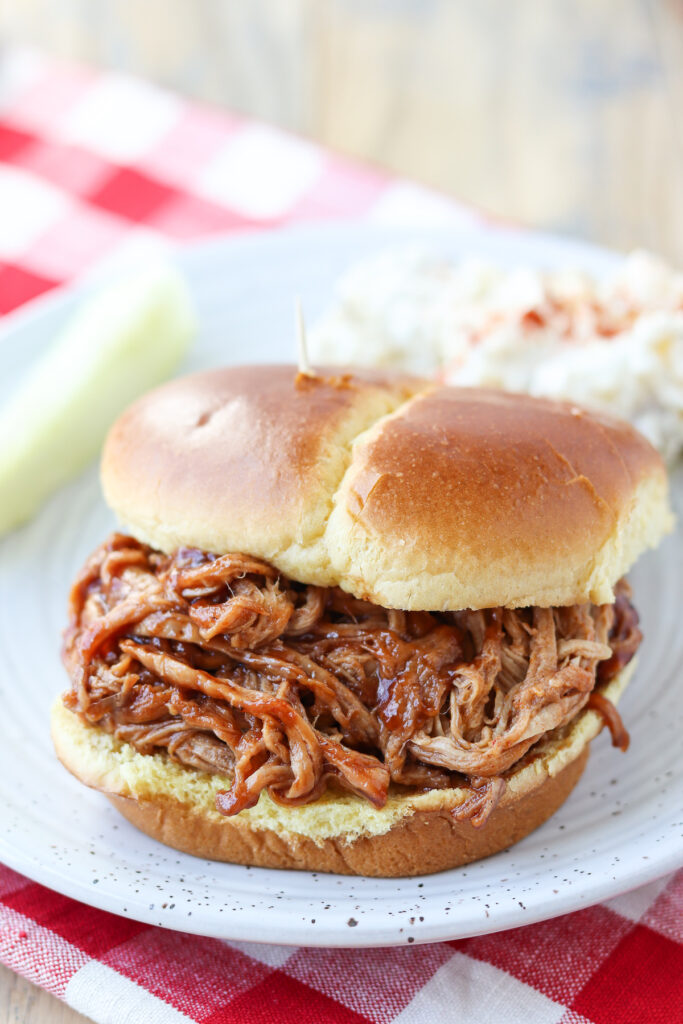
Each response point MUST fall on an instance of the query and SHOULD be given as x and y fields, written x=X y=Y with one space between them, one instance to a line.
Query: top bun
x=410 y=495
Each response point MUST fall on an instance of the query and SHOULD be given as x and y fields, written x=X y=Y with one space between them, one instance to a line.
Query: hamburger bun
x=408 y=495
x=412 y=835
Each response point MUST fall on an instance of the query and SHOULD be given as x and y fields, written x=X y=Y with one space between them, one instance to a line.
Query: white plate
x=620 y=828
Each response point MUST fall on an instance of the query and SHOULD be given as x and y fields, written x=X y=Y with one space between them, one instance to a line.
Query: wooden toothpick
x=302 y=350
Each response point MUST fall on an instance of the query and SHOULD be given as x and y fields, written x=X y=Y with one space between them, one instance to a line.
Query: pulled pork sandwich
x=359 y=623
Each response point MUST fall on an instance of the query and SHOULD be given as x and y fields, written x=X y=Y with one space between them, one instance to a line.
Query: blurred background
x=562 y=114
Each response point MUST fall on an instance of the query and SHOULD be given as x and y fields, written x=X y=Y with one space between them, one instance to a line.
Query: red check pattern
x=93 y=166
x=599 y=965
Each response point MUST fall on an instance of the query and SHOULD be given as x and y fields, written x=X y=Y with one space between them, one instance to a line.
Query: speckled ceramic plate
x=620 y=828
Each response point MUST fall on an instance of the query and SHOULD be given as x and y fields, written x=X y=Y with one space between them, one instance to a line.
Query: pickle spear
x=125 y=339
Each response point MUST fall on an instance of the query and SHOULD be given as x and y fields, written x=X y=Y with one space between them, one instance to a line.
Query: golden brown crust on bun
x=486 y=498
x=411 y=496
x=413 y=834
x=243 y=459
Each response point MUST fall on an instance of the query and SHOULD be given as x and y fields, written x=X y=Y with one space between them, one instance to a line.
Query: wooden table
x=563 y=116
x=23 y=1003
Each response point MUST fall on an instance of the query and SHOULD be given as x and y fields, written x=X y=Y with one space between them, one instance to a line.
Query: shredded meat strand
x=232 y=668
x=611 y=718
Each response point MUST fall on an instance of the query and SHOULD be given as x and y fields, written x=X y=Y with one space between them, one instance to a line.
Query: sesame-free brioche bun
x=408 y=494
x=413 y=834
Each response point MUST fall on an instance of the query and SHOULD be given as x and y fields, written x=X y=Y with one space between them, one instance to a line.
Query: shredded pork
x=233 y=669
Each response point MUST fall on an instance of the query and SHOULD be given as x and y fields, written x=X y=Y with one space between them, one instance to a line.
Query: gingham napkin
x=92 y=167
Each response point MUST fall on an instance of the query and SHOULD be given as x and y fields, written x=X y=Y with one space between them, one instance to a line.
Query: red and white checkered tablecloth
x=92 y=167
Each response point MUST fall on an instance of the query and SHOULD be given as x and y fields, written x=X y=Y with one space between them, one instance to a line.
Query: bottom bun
x=414 y=834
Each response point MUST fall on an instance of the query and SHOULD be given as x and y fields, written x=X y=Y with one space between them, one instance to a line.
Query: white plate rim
x=55 y=303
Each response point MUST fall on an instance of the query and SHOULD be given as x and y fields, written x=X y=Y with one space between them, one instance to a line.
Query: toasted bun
x=412 y=835
x=412 y=496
